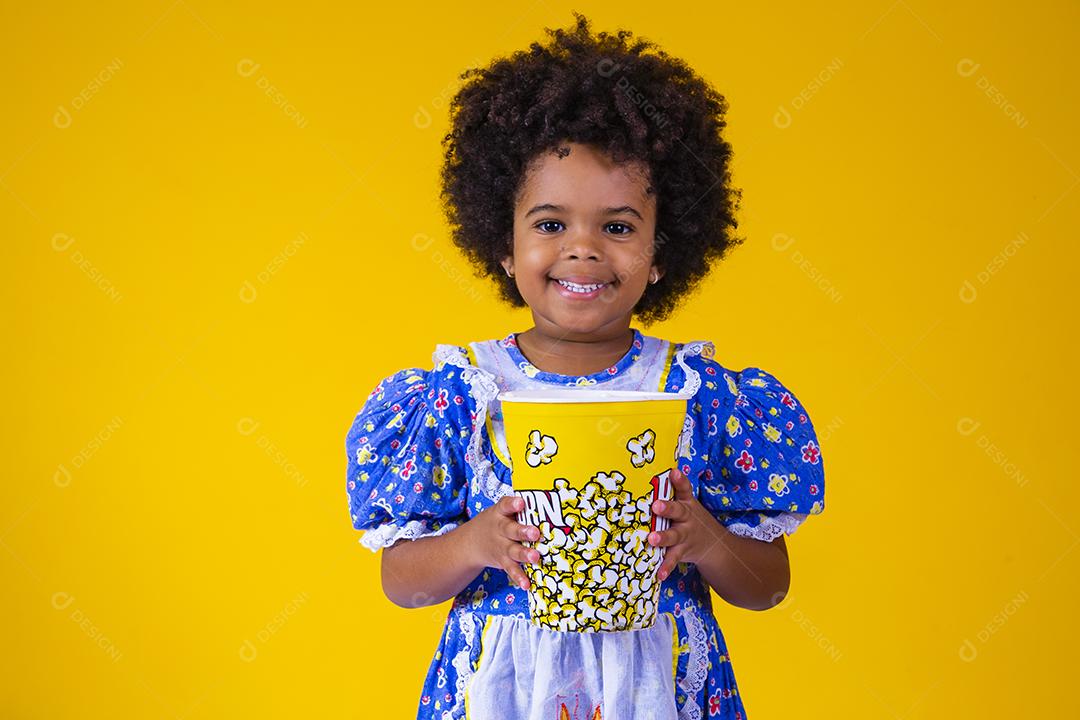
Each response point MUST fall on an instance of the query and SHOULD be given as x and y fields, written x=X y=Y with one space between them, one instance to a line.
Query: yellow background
x=203 y=281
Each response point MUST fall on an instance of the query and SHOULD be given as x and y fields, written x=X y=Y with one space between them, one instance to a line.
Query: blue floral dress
x=426 y=453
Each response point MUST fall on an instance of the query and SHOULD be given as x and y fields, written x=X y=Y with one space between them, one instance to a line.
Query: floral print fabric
x=751 y=455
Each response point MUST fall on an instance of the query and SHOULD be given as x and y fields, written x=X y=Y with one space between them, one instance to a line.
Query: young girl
x=589 y=179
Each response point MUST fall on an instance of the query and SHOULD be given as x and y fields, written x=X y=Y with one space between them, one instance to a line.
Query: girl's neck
x=560 y=355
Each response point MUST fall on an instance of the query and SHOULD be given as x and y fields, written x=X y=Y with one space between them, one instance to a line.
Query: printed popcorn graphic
x=597 y=570
x=541 y=449
x=641 y=449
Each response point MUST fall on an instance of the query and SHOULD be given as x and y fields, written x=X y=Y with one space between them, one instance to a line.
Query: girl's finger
x=511 y=529
x=671 y=559
x=517 y=575
x=522 y=533
x=670 y=509
x=510 y=505
x=681 y=483
x=520 y=553
x=667 y=538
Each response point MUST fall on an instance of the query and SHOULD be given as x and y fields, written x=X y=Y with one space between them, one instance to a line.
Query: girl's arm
x=746 y=572
x=743 y=571
x=431 y=570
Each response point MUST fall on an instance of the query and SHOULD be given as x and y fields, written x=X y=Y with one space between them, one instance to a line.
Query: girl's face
x=583 y=243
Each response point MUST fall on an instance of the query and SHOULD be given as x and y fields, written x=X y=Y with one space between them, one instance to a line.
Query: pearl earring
x=653 y=279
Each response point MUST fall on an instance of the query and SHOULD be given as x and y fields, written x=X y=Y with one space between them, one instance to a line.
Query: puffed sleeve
x=407 y=475
x=764 y=475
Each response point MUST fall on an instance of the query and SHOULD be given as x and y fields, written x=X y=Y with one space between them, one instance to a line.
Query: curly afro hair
x=625 y=97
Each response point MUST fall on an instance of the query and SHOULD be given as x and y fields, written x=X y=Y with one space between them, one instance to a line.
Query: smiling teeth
x=574 y=287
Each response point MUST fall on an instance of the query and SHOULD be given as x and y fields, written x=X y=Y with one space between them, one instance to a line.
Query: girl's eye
x=548 y=222
x=616 y=228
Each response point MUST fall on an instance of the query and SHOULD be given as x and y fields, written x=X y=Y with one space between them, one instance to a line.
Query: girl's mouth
x=579 y=291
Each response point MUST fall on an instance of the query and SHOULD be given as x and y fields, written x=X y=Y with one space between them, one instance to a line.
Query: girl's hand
x=497 y=536
x=693 y=529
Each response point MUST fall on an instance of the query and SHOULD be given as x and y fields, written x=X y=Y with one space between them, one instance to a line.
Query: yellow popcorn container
x=589 y=465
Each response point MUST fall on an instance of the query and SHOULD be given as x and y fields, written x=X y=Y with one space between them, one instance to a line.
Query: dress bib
x=531 y=673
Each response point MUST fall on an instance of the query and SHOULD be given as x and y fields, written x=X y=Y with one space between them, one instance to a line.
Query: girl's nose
x=582 y=246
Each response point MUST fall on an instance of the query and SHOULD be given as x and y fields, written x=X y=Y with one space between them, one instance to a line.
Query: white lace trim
x=389 y=533
x=697 y=665
x=462 y=662
x=483 y=389
x=691 y=384
x=770 y=527
x=692 y=381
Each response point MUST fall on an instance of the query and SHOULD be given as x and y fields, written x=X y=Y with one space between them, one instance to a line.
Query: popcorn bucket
x=589 y=465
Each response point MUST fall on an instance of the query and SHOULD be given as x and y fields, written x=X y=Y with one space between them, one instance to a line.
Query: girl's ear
x=655 y=272
x=508 y=265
